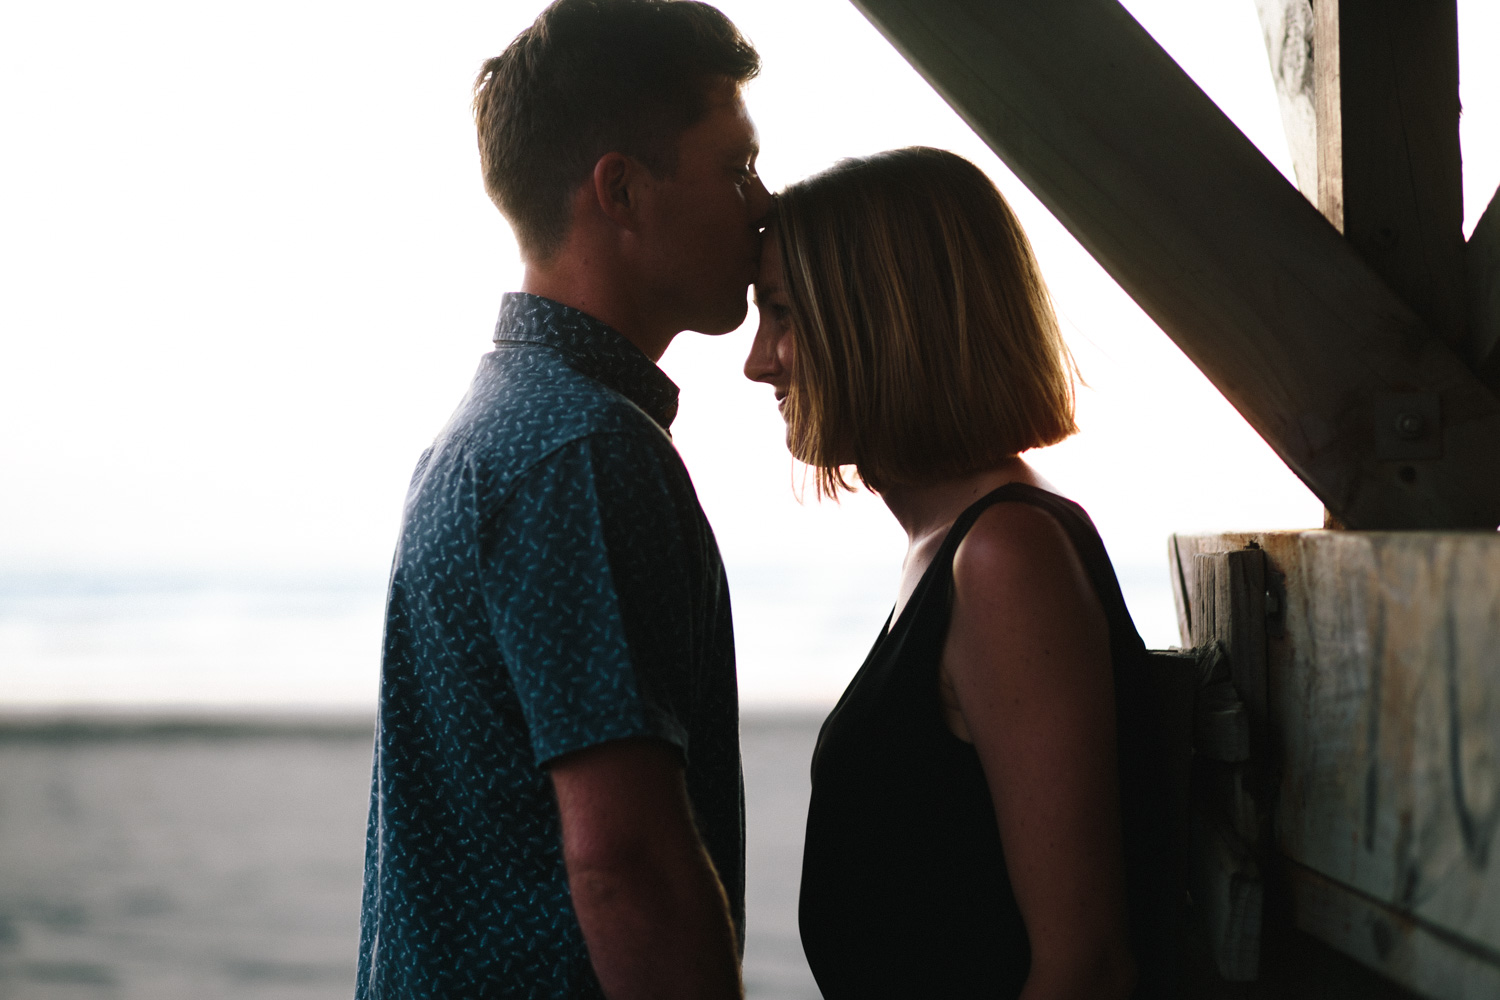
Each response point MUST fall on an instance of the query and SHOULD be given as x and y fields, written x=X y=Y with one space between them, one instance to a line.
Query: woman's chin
x=801 y=454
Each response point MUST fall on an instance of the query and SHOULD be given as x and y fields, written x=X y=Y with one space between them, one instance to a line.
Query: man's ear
x=616 y=188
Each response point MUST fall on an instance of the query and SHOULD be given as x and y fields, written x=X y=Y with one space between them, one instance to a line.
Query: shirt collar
x=590 y=347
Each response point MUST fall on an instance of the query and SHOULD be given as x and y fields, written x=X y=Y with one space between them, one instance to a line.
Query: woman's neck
x=925 y=510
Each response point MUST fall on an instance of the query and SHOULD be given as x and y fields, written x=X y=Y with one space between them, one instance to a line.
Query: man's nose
x=760 y=202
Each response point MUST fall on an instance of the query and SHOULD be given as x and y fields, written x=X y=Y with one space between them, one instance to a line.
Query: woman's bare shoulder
x=1015 y=539
x=1017 y=570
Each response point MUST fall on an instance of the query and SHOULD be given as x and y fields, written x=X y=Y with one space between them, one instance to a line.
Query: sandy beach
x=174 y=858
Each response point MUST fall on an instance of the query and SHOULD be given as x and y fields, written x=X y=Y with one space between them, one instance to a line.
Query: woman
x=967 y=836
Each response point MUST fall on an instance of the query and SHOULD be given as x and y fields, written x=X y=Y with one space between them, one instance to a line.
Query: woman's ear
x=616 y=177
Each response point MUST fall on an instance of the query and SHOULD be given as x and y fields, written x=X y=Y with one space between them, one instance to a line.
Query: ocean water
x=68 y=640
x=147 y=859
x=237 y=642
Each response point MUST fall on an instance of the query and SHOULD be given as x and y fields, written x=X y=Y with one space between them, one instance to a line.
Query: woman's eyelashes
x=770 y=306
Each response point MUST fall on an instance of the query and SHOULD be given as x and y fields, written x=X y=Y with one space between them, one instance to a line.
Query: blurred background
x=247 y=269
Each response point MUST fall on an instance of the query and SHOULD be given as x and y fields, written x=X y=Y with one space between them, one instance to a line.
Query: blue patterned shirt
x=556 y=586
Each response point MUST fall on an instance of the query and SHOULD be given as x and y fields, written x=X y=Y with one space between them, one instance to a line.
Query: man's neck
x=608 y=302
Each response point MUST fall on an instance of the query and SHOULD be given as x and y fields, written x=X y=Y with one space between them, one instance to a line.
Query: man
x=557 y=808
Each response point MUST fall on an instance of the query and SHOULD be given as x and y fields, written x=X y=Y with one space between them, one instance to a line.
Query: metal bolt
x=1410 y=426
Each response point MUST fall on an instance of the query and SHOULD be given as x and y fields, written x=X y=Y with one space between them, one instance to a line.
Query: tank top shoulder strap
x=1068 y=514
x=933 y=599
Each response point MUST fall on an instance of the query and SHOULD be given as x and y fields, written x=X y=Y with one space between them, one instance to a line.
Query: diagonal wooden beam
x=1380 y=419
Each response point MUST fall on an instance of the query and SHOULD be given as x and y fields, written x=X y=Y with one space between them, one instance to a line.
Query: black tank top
x=904 y=886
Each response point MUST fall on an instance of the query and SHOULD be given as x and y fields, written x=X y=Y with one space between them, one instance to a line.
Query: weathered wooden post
x=1346 y=733
x=1225 y=615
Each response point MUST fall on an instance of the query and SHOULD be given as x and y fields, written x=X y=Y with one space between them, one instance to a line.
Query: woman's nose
x=762 y=364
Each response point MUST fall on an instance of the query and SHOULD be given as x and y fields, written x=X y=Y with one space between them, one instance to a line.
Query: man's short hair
x=590 y=77
x=926 y=344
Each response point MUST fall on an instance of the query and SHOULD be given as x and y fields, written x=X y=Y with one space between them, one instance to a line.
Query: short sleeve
x=586 y=575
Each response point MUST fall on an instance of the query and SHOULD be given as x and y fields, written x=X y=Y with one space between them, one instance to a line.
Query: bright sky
x=247 y=268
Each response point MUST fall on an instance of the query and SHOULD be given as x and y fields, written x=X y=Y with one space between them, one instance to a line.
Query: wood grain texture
x=1384 y=718
x=1266 y=298
x=1221 y=726
x=1229 y=608
x=1389 y=128
x=1287 y=29
x=1482 y=269
x=1328 y=102
x=1429 y=961
x=1230 y=895
x=1180 y=601
x=1226 y=594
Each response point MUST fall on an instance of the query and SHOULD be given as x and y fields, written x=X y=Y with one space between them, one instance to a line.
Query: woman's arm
x=1027 y=662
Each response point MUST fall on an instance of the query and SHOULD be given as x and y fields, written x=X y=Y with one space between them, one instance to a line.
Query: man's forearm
x=657 y=925
x=645 y=893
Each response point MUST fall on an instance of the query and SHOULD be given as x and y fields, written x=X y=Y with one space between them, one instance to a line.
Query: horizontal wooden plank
x=1250 y=281
x=1415 y=954
x=1384 y=715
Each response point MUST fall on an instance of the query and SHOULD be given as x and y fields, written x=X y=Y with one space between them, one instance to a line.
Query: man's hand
x=646 y=895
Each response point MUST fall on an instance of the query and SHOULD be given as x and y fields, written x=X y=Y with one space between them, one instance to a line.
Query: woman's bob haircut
x=926 y=345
